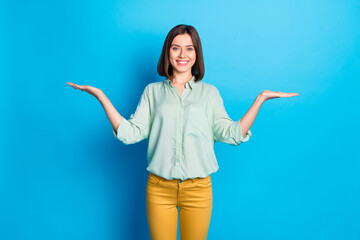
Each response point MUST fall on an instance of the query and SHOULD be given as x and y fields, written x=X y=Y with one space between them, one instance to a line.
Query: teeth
x=182 y=62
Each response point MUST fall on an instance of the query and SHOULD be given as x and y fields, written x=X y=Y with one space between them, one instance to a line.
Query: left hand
x=267 y=94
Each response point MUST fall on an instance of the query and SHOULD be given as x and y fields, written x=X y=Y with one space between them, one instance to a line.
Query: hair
x=164 y=67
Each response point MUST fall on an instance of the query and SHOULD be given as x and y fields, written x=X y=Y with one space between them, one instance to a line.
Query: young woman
x=181 y=117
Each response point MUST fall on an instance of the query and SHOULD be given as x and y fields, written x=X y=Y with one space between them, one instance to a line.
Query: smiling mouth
x=182 y=63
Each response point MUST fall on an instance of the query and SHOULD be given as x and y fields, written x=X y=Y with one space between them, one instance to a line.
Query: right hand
x=267 y=94
x=89 y=89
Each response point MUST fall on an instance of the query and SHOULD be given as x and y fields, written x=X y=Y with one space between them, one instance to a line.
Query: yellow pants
x=192 y=196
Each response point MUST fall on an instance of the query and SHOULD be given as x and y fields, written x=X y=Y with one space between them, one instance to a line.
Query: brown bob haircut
x=164 y=67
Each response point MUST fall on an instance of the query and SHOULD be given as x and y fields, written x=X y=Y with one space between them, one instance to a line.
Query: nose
x=182 y=53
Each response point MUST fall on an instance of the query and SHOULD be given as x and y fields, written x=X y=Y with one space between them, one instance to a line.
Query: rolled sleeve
x=238 y=136
x=137 y=127
x=123 y=131
x=224 y=128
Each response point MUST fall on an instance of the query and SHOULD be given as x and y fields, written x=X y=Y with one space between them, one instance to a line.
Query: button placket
x=179 y=131
x=178 y=143
x=179 y=136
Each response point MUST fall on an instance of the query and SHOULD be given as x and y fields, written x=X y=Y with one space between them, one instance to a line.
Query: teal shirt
x=181 y=130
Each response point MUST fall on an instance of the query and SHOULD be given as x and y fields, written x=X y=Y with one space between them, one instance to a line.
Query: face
x=182 y=53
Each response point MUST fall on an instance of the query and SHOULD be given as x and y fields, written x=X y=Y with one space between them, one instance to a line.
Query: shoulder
x=208 y=88
x=154 y=86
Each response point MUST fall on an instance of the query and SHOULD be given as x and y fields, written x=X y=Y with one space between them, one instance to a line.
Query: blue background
x=63 y=175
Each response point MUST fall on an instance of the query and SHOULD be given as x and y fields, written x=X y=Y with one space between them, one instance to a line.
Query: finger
x=290 y=94
x=71 y=84
x=76 y=86
x=283 y=94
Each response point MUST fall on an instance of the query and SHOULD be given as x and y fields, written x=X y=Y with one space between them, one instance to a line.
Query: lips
x=181 y=62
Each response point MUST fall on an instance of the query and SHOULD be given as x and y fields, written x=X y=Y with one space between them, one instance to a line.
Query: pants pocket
x=203 y=182
x=152 y=178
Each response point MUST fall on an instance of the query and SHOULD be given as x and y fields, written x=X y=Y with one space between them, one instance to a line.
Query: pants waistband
x=177 y=180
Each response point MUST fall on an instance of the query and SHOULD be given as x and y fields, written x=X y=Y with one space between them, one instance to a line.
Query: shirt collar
x=190 y=83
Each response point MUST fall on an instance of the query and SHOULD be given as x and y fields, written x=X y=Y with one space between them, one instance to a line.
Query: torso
x=183 y=123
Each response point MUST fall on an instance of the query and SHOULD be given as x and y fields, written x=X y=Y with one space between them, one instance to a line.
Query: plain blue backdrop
x=63 y=175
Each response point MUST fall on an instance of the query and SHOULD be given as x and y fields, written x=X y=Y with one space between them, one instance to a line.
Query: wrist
x=261 y=97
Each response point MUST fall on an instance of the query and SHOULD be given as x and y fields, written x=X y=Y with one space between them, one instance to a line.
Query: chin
x=182 y=70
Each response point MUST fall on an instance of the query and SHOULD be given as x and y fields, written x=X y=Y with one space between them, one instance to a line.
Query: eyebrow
x=179 y=45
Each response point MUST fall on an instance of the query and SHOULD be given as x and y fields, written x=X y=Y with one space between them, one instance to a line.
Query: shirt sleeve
x=136 y=128
x=224 y=128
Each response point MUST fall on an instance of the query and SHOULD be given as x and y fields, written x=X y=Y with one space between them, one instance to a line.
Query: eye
x=175 y=48
x=190 y=49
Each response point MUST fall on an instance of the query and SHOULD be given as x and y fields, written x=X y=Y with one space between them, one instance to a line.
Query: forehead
x=182 y=39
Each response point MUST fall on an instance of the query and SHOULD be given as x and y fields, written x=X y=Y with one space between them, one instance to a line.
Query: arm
x=224 y=128
x=128 y=131
x=113 y=115
x=248 y=119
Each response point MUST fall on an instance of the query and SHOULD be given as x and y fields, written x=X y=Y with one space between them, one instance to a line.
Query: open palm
x=267 y=94
x=86 y=88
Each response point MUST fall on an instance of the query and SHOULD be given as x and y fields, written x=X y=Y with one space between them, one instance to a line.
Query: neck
x=181 y=78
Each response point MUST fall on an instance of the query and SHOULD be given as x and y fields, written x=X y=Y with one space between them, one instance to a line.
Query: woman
x=181 y=117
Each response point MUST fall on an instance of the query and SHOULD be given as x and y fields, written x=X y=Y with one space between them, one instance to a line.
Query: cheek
x=172 y=59
x=173 y=55
x=193 y=56
x=193 y=60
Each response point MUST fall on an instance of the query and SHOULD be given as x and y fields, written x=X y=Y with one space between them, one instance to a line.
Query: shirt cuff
x=123 y=125
x=239 y=135
x=247 y=136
